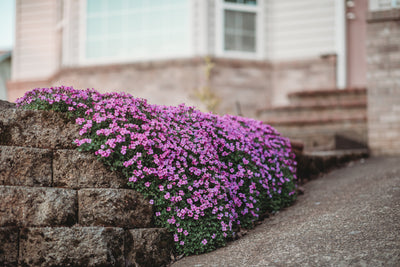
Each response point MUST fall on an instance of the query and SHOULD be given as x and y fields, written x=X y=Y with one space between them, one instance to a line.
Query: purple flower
x=206 y=166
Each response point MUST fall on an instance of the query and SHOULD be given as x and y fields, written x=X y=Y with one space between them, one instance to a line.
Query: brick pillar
x=383 y=81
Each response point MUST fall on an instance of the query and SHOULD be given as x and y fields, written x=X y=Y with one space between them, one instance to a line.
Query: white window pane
x=115 y=25
x=230 y=43
x=131 y=4
x=96 y=27
x=239 y=31
x=141 y=27
x=115 y=5
x=94 y=49
x=249 y=22
x=230 y=19
x=248 y=44
x=135 y=20
x=96 y=6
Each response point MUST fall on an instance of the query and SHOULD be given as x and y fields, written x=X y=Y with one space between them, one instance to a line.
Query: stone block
x=74 y=169
x=25 y=166
x=32 y=128
x=114 y=207
x=9 y=246
x=37 y=206
x=75 y=246
x=148 y=247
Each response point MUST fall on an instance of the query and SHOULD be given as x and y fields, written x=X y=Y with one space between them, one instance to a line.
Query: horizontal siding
x=300 y=29
x=36 y=48
x=211 y=21
x=75 y=25
x=71 y=34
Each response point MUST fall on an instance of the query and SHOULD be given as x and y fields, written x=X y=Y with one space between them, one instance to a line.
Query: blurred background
x=325 y=72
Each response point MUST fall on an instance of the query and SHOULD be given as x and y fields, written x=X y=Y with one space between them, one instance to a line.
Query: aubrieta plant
x=206 y=175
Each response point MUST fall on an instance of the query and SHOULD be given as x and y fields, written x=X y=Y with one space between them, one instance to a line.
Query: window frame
x=221 y=6
x=85 y=61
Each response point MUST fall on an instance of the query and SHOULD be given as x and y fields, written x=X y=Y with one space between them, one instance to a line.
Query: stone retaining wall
x=60 y=207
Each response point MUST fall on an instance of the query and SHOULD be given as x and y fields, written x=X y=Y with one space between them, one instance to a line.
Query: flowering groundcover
x=206 y=175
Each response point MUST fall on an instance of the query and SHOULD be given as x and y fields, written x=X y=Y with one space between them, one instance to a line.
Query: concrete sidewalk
x=350 y=217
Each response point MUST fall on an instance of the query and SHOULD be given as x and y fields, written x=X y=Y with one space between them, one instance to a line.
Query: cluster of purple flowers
x=204 y=174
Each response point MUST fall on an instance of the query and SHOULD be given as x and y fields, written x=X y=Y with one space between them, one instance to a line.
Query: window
x=240 y=32
x=136 y=29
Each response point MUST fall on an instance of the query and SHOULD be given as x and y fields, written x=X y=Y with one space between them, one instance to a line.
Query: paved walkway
x=350 y=217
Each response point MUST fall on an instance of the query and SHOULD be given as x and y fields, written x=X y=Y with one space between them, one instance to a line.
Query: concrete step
x=330 y=96
x=41 y=129
x=309 y=111
x=84 y=246
x=328 y=136
x=312 y=164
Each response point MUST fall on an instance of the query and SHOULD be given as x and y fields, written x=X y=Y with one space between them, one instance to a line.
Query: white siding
x=211 y=26
x=199 y=27
x=299 y=29
x=36 y=52
x=71 y=37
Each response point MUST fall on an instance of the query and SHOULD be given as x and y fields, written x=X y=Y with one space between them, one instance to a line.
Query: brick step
x=313 y=111
x=342 y=119
x=84 y=246
x=326 y=97
x=32 y=128
x=45 y=206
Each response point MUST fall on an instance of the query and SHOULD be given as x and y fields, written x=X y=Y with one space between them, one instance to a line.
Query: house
x=251 y=54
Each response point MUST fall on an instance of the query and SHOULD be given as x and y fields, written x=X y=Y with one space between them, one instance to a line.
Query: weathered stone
x=37 y=206
x=148 y=247
x=25 y=166
x=114 y=207
x=43 y=129
x=76 y=169
x=8 y=246
x=75 y=246
x=6 y=104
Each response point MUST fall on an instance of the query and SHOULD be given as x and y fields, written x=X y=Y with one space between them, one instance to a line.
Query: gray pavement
x=349 y=217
